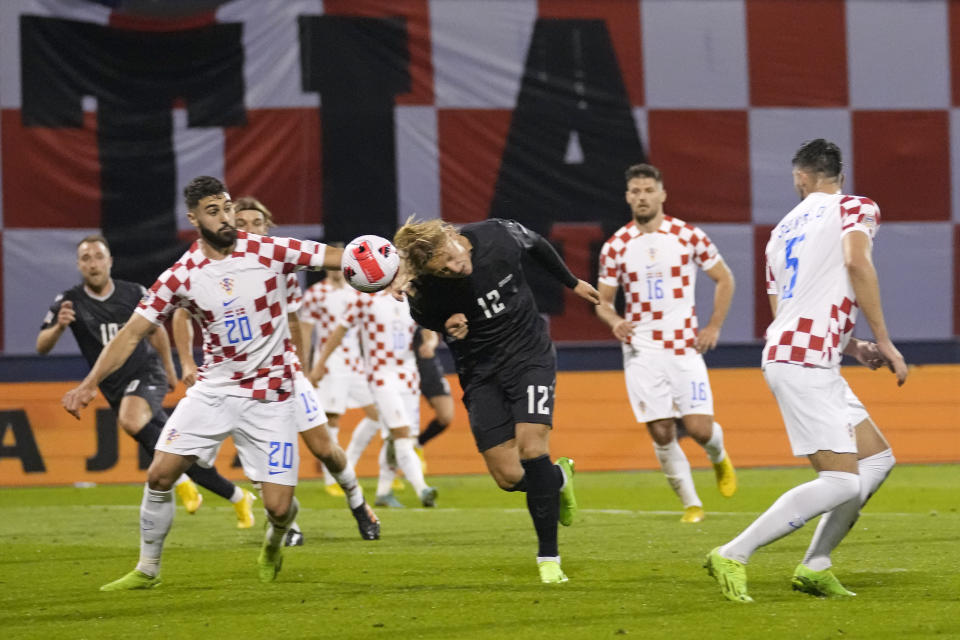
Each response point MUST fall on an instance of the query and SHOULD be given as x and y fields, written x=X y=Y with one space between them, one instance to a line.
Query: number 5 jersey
x=816 y=306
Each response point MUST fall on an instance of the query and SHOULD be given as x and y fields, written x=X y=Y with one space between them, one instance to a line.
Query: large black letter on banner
x=135 y=76
x=24 y=446
x=108 y=448
x=358 y=65
x=571 y=138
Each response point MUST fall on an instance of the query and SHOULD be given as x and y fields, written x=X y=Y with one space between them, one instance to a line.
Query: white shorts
x=263 y=431
x=663 y=385
x=310 y=411
x=819 y=409
x=398 y=407
x=341 y=391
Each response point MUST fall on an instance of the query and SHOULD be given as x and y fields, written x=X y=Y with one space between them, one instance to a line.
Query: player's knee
x=160 y=479
x=130 y=427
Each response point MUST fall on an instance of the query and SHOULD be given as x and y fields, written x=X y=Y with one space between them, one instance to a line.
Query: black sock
x=212 y=480
x=433 y=429
x=520 y=486
x=543 y=501
x=149 y=434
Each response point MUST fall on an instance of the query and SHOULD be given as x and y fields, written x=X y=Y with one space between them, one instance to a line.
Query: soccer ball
x=369 y=263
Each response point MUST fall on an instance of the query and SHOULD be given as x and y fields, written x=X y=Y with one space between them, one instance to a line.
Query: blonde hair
x=249 y=202
x=418 y=241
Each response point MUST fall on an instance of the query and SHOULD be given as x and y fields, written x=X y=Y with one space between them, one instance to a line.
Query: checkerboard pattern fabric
x=240 y=303
x=816 y=308
x=324 y=304
x=386 y=338
x=657 y=272
x=719 y=96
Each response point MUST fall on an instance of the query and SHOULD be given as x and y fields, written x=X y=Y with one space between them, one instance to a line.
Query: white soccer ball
x=369 y=263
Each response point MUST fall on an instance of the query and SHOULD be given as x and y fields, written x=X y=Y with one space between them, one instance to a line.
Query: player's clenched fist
x=456 y=326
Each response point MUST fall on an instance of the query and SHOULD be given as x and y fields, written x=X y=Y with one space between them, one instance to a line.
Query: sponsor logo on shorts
x=172 y=435
x=132 y=386
x=273 y=473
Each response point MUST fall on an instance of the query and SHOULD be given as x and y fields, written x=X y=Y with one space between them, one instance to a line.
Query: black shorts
x=432 y=382
x=497 y=402
x=150 y=384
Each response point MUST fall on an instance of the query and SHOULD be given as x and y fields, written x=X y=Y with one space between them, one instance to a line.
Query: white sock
x=328 y=476
x=677 y=469
x=792 y=510
x=835 y=524
x=548 y=559
x=156 y=517
x=385 y=479
x=362 y=435
x=278 y=528
x=237 y=495
x=347 y=479
x=714 y=446
x=409 y=463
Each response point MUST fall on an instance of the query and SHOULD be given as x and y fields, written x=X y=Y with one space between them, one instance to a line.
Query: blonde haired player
x=819 y=273
x=254 y=218
x=386 y=333
x=653 y=258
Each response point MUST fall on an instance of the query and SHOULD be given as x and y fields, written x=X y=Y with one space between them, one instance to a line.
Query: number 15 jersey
x=816 y=306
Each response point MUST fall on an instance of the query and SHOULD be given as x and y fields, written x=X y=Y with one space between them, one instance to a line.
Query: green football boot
x=729 y=574
x=819 y=583
x=269 y=562
x=550 y=572
x=568 y=500
x=133 y=580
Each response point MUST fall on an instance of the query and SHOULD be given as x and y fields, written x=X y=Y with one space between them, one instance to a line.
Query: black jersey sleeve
x=51 y=318
x=424 y=314
x=542 y=251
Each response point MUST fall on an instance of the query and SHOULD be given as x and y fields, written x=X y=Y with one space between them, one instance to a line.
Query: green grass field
x=466 y=569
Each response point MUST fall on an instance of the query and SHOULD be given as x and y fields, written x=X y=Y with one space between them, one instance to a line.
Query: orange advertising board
x=40 y=444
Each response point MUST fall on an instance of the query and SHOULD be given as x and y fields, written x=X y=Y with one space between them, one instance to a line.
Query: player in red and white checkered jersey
x=819 y=272
x=234 y=285
x=386 y=333
x=344 y=385
x=254 y=218
x=654 y=259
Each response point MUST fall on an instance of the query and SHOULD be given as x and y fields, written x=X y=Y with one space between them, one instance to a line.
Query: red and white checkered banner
x=347 y=116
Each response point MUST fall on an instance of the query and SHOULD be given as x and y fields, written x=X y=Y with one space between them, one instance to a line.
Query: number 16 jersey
x=816 y=306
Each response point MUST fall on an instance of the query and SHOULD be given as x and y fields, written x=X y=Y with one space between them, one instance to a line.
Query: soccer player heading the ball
x=470 y=287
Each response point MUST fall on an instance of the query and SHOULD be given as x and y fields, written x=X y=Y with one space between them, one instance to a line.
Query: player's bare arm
x=622 y=329
x=863 y=278
x=161 y=342
x=332 y=257
x=114 y=354
x=296 y=336
x=708 y=336
x=865 y=352
x=428 y=343
x=182 y=327
x=306 y=336
x=456 y=326
x=320 y=366
x=47 y=338
x=586 y=291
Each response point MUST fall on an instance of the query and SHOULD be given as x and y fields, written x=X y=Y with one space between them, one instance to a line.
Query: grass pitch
x=466 y=569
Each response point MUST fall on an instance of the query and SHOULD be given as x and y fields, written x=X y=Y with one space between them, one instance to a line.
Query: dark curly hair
x=201 y=187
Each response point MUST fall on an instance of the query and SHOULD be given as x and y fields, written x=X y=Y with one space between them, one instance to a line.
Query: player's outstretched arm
x=114 y=354
x=866 y=287
x=708 y=336
x=47 y=338
x=586 y=291
x=182 y=327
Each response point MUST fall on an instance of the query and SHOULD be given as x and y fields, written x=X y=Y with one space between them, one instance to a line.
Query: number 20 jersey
x=816 y=306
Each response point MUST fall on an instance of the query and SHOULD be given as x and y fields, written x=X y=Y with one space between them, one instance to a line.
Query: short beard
x=642 y=220
x=216 y=240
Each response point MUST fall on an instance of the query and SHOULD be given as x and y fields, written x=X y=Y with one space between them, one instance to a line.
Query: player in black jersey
x=95 y=310
x=470 y=287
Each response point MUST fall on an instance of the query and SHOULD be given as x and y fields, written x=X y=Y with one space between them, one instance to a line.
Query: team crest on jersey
x=652 y=251
x=226 y=284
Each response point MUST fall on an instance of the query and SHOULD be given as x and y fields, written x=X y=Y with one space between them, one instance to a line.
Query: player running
x=819 y=273
x=95 y=311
